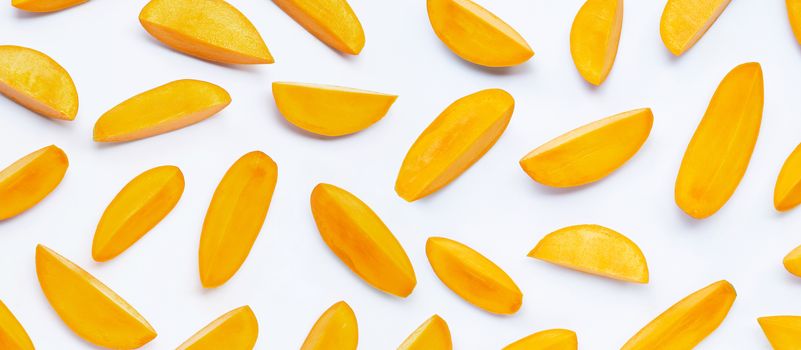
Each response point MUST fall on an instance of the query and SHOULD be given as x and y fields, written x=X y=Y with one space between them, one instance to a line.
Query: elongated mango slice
x=787 y=193
x=235 y=217
x=719 y=152
x=477 y=35
x=92 y=310
x=594 y=38
x=45 y=5
x=459 y=137
x=783 y=332
x=433 y=334
x=12 y=335
x=238 y=329
x=37 y=82
x=792 y=262
x=166 y=108
x=335 y=329
x=551 y=339
x=331 y=21
x=212 y=30
x=686 y=21
x=30 y=179
x=688 y=322
x=330 y=110
x=361 y=240
x=794 y=14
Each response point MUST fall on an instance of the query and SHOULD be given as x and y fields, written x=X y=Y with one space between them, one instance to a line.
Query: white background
x=291 y=276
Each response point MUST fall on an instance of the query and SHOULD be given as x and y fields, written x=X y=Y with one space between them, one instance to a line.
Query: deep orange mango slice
x=794 y=14
x=331 y=21
x=335 y=329
x=30 y=179
x=45 y=5
x=237 y=329
x=37 y=82
x=792 y=262
x=12 y=335
x=686 y=21
x=433 y=334
x=787 y=194
x=551 y=339
x=783 y=332
x=594 y=38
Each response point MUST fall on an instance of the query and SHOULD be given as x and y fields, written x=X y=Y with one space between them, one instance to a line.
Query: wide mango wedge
x=45 y=5
x=594 y=38
x=212 y=30
x=459 y=137
x=331 y=21
x=169 y=107
x=792 y=262
x=87 y=306
x=686 y=21
x=591 y=152
x=787 y=194
x=794 y=14
x=330 y=110
x=30 y=179
x=238 y=329
x=473 y=277
x=433 y=334
x=688 y=322
x=36 y=82
x=552 y=339
x=335 y=329
x=719 y=152
x=361 y=240
x=477 y=35
x=235 y=217
x=783 y=332
x=12 y=335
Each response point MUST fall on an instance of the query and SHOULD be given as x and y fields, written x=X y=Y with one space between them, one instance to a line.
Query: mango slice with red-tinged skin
x=37 y=82
x=551 y=339
x=166 y=108
x=92 y=310
x=792 y=262
x=237 y=329
x=45 y=5
x=684 y=22
x=331 y=21
x=688 y=322
x=477 y=35
x=335 y=329
x=361 y=240
x=794 y=14
x=718 y=154
x=330 y=110
x=24 y=183
x=783 y=332
x=212 y=30
x=433 y=334
x=594 y=38
x=787 y=193
x=235 y=217
x=12 y=335
x=459 y=137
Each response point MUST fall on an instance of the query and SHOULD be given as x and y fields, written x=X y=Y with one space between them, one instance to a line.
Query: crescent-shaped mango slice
x=331 y=21
x=30 y=179
x=594 y=38
x=783 y=332
x=685 y=21
x=45 y=5
x=433 y=334
x=12 y=335
x=787 y=193
x=477 y=35
x=335 y=329
x=330 y=110
x=361 y=240
x=794 y=14
x=237 y=329
x=212 y=30
x=551 y=339
x=92 y=310
x=37 y=82
x=459 y=137
x=792 y=261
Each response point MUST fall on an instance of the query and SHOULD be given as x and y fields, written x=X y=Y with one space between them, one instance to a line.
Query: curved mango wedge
x=335 y=329
x=787 y=193
x=38 y=83
x=87 y=306
x=792 y=262
x=591 y=152
x=166 y=108
x=433 y=334
x=459 y=137
x=12 y=335
x=45 y=5
x=212 y=30
x=794 y=13
x=783 y=332
x=30 y=179
x=476 y=35
x=688 y=322
x=594 y=38
x=719 y=152
x=235 y=217
x=330 y=110
x=551 y=339
x=685 y=21
x=238 y=329
x=331 y=21
x=361 y=240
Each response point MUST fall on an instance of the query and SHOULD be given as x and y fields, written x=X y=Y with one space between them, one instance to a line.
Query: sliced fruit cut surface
x=794 y=14
x=30 y=179
x=783 y=332
x=331 y=21
x=594 y=38
x=787 y=193
x=12 y=335
x=433 y=334
x=45 y=5
x=37 y=82
x=792 y=262
x=335 y=329
x=551 y=339
x=686 y=21
x=237 y=329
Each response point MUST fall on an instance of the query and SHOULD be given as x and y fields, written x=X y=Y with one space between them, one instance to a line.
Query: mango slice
x=792 y=262
x=473 y=277
x=238 y=329
x=330 y=110
x=37 y=82
x=212 y=30
x=685 y=21
x=591 y=152
x=459 y=137
x=335 y=329
x=719 y=152
x=551 y=339
x=476 y=35
x=92 y=310
x=331 y=21
x=166 y=108
x=794 y=13
x=787 y=193
x=45 y=5
x=361 y=240
x=139 y=207
x=30 y=179
x=433 y=334
x=12 y=335
x=783 y=332
x=688 y=322
x=594 y=38
x=235 y=217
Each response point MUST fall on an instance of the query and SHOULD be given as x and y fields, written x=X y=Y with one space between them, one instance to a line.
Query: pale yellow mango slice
x=37 y=82
x=794 y=14
x=361 y=240
x=330 y=110
x=92 y=310
x=551 y=339
x=459 y=137
x=433 y=334
x=477 y=35
x=212 y=30
x=787 y=193
x=30 y=179
x=12 y=335
x=594 y=38
x=783 y=332
x=792 y=262
x=685 y=21
x=719 y=152
x=237 y=329
x=331 y=21
x=335 y=329
x=166 y=108
x=235 y=217
x=45 y=5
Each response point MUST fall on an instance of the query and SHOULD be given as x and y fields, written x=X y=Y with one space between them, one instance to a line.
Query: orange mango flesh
x=783 y=332
x=45 y=5
x=591 y=152
x=166 y=108
x=12 y=335
x=719 y=152
x=792 y=262
x=476 y=35
x=551 y=339
x=238 y=329
x=212 y=30
x=37 y=82
x=235 y=217
x=30 y=179
x=331 y=21
x=459 y=137
x=92 y=310
x=330 y=110
x=685 y=21
x=433 y=334
x=335 y=329
x=361 y=240
x=594 y=38
x=794 y=14
x=787 y=193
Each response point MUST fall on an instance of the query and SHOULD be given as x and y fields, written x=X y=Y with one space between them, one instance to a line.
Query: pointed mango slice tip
x=45 y=5
x=331 y=21
x=26 y=182
x=783 y=332
x=433 y=334
x=794 y=15
x=787 y=193
x=551 y=339
x=335 y=329
x=684 y=22
x=37 y=82
x=594 y=38
x=237 y=329
x=792 y=262
x=12 y=335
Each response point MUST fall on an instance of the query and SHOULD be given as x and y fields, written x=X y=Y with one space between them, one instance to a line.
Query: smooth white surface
x=291 y=276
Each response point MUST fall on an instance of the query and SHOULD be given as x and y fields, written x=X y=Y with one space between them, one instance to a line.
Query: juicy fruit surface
x=594 y=38
x=237 y=329
x=331 y=21
x=30 y=179
x=335 y=329
x=37 y=82
x=433 y=334
x=551 y=339
x=685 y=21
x=783 y=332
x=787 y=193
x=12 y=335
x=792 y=262
x=45 y=5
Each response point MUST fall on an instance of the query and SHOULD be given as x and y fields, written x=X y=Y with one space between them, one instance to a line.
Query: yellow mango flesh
x=433 y=334
x=476 y=35
x=238 y=329
x=235 y=217
x=212 y=30
x=361 y=240
x=594 y=38
x=12 y=335
x=591 y=152
x=335 y=329
x=330 y=110
x=685 y=21
x=783 y=332
x=45 y=5
x=787 y=193
x=30 y=179
x=37 y=82
x=459 y=137
x=92 y=310
x=792 y=262
x=552 y=339
x=331 y=21
x=166 y=108
x=794 y=14
x=136 y=209
x=719 y=152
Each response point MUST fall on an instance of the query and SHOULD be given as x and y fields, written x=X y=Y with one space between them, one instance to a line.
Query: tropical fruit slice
x=433 y=334
x=238 y=329
x=594 y=38
x=794 y=13
x=787 y=194
x=792 y=262
x=37 y=82
x=335 y=329
x=45 y=5
x=331 y=21
x=783 y=332
x=686 y=21
x=30 y=179
x=551 y=339
x=12 y=335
